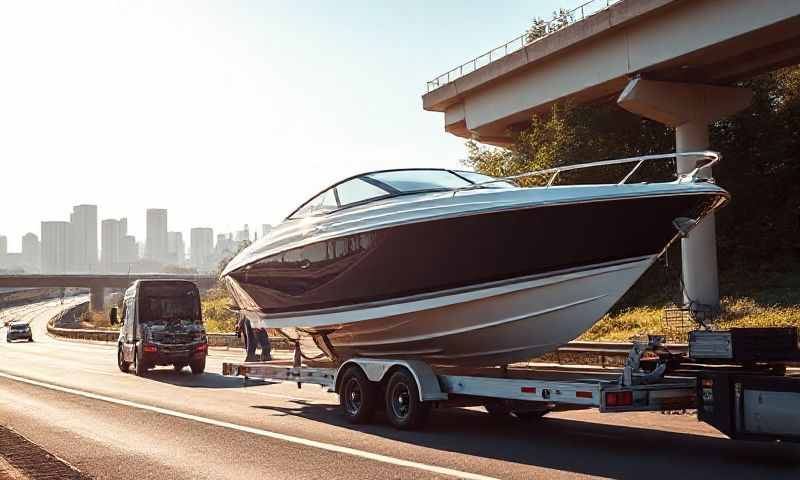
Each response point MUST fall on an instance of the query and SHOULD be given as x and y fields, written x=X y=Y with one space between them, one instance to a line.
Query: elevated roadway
x=71 y=399
x=673 y=61
x=97 y=283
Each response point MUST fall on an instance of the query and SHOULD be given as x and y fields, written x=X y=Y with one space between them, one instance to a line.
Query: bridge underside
x=714 y=42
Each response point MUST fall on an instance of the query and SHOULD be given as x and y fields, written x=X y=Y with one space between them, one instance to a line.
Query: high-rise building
x=83 y=239
x=176 y=248
x=128 y=252
x=123 y=226
x=110 y=238
x=3 y=245
x=31 y=253
x=265 y=228
x=156 y=243
x=202 y=248
x=55 y=246
x=243 y=235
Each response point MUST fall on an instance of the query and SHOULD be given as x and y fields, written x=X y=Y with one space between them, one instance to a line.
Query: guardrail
x=558 y=22
x=575 y=352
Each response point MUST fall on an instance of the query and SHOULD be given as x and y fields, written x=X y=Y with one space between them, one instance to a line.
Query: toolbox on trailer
x=745 y=345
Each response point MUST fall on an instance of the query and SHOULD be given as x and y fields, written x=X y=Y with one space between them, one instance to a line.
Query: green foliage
x=216 y=316
x=761 y=168
x=540 y=27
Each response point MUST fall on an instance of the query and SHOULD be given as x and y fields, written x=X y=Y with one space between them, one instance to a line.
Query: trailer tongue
x=739 y=386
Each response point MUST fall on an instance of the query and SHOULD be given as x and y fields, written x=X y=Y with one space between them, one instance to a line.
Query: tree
x=541 y=28
x=760 y=167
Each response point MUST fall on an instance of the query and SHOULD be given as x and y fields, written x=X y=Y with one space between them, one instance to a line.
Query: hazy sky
x=225 y=112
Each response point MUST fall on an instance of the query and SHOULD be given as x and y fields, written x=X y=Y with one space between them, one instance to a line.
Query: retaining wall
x=225 y=340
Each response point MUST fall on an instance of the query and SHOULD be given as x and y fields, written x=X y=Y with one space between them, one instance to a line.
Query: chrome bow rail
x=707 y=158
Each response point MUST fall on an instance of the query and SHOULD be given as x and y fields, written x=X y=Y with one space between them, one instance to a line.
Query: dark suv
x=161 y=325
x=19 y=331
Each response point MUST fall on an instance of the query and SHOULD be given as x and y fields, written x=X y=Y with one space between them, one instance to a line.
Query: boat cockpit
x=383 y=184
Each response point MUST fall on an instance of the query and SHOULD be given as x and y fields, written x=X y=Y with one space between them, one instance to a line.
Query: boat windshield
x=378 y=185
x=420 y=180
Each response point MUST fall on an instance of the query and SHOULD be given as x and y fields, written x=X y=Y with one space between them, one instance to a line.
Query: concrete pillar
x=96 y=299
x=690 y=108
x=699 y=249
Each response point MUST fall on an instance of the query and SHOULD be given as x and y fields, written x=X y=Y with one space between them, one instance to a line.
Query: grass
x=736 y=312
x=753 y=298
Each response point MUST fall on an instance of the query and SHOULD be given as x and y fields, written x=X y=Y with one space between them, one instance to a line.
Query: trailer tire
x=404 y=409
x=358 y=396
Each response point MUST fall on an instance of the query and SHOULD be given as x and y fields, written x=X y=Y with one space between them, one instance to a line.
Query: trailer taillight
x=527 y=389
x=619 y=399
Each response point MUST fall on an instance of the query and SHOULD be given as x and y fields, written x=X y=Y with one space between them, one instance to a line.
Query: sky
x=223 y=112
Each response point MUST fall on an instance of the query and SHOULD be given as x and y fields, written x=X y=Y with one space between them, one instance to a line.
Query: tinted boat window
x=324 y=202
x=420 y=180
x=357 y=190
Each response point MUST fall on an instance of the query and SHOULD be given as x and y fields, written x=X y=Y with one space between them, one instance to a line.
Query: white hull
x=491 y=325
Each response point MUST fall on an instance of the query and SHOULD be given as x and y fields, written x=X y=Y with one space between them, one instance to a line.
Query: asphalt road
x=71 y=399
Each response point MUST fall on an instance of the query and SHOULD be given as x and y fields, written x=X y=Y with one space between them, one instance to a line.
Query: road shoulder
x=22 y=459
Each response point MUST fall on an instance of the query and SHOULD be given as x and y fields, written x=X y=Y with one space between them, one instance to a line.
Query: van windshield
x=169 y=303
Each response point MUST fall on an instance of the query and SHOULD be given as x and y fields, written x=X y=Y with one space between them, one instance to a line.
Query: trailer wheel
x=357 y=396
x=404 y=409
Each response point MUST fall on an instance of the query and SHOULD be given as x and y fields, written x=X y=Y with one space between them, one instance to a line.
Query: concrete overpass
x=672 y=61
x=97 y=283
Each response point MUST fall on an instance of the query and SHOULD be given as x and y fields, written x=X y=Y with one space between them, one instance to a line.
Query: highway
x=71 y=399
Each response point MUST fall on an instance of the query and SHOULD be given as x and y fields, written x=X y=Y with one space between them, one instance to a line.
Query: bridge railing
x=559 y=21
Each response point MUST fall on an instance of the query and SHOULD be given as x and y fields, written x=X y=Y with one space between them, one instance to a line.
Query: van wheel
x=403 y=407
x=139 y=368
x=198 y=366
x=357 y=396
x=121 y=363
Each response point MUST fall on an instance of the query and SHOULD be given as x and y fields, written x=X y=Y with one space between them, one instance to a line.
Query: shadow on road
x=578 y=446
x=185 y=378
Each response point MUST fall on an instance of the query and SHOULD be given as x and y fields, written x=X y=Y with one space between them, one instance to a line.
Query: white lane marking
x=256 y=431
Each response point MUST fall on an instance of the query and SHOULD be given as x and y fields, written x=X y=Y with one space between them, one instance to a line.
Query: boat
x=459 y=268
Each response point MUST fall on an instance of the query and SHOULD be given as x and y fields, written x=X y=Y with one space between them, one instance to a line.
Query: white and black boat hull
x=488 y=284
x=489 y=325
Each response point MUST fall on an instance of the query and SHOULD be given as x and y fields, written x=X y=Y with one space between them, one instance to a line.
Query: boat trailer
x=743 y=399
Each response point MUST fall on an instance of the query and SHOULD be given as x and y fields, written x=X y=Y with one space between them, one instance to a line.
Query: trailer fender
x=376 y=369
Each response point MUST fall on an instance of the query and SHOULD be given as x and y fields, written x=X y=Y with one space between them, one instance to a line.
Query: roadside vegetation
x=758 y=234
x=216 y=315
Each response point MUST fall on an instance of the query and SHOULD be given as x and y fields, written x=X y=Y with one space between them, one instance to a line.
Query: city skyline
x=87 y=242
x=198 y=159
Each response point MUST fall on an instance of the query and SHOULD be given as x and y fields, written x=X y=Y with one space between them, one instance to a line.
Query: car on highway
x=19 y=331
x=162 y=324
